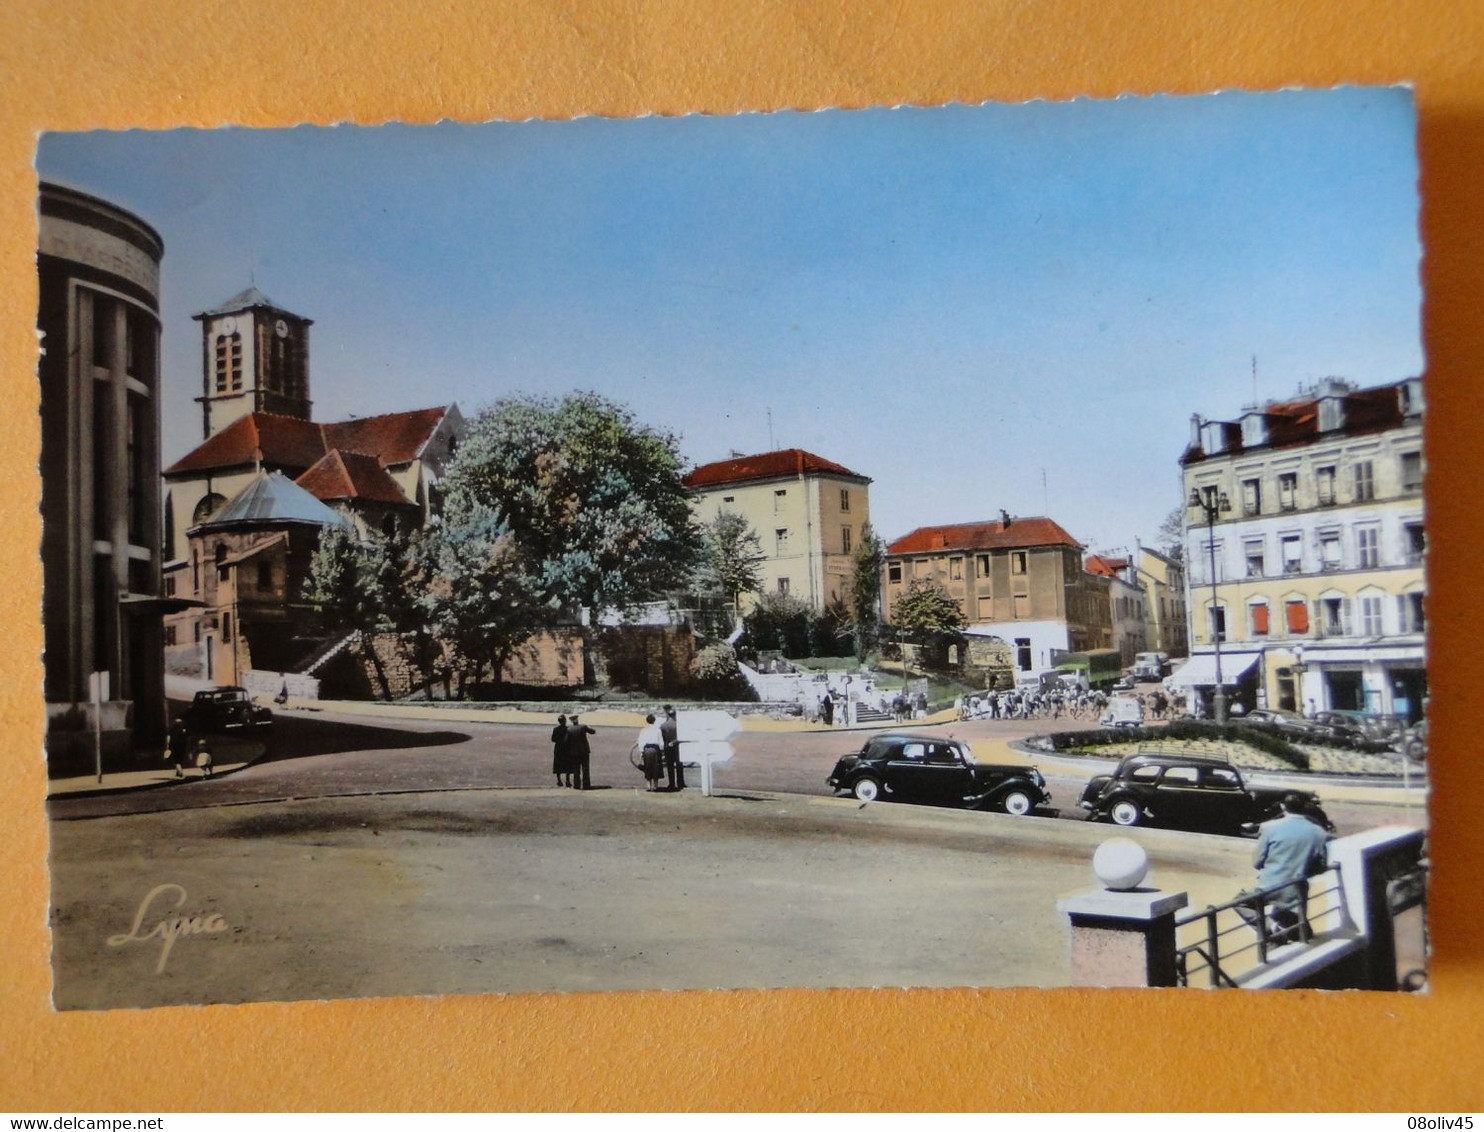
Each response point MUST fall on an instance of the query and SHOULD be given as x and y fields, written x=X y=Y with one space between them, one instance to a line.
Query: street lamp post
x=1299 y=668
x=1213 y=502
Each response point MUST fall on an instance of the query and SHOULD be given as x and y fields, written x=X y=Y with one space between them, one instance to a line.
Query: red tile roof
x=294 y=445
x=767 y=466
x=1105 y=567
x=395 y=437
x=1293 y=423
x=351 y=475
x=991 y=534
x=278 y=442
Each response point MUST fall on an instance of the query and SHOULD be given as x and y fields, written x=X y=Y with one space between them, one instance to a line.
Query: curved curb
x=104 y=790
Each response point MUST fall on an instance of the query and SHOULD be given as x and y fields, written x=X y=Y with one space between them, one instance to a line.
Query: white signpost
x=704 y=736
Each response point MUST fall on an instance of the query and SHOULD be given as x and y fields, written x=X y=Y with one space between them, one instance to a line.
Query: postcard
x=959 y=546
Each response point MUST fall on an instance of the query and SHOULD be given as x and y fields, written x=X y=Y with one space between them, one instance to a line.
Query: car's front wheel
x=1125 y=813
x=1017 y=803
x=866 y=789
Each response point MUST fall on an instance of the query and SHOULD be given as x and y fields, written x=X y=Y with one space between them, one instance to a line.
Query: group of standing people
x=659 y=752
x=905 y=706
x=658 y=744
x=571 y=754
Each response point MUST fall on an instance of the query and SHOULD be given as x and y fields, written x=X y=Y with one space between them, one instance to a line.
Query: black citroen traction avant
x=932 y=770
x=1197 y=792
x=227 y=711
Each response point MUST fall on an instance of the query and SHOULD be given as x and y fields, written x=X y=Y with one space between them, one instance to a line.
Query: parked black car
x=227 y=711
x=1189 y=791
x=1288 y=724
x=936 y=771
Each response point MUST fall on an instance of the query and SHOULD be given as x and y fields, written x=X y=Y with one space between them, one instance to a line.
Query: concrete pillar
x=1123 y=939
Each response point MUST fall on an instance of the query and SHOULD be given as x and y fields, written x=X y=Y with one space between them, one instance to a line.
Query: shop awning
x=1414 y=654
x=1200 y=671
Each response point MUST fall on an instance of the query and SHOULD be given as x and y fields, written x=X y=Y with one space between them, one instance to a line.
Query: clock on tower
x=255 y=359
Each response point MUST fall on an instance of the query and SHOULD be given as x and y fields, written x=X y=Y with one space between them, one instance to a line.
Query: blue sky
x=951 y=300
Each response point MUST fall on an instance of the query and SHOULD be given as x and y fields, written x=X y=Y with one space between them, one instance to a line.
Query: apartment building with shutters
x=807 y=512
x=1318 y=551
x=1017 y=580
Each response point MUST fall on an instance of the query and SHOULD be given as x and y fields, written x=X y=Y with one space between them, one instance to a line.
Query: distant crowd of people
x=839 y=706
x=1056 y=703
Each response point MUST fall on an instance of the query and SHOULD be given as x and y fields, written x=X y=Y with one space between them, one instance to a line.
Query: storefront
x=1240 y=675
x=1377 y=681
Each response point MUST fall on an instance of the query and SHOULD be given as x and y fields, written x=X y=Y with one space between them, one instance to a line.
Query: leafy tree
x=927 y=610
x=781 y=622
x=731 y=558
x=865 y=591
x=832 y=633
x=348 y=586
x=591 y=502
x=928 y=616
x=407 y=572
x=715 y=671
x=482 y=599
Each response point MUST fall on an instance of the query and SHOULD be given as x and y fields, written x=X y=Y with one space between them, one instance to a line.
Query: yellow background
x=125 y=63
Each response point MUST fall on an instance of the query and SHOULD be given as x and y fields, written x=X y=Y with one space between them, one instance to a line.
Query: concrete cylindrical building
x=99 y=270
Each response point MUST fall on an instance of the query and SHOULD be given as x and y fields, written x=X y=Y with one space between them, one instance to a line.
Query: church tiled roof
x=767 y=466
x=290 y=443
x=395 y=437
x=351 y=475
x=294 y=445
x=243 y=300
x=992 y=534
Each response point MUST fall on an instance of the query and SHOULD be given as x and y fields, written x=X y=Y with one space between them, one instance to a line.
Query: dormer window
x=1409 y=397
x=1331 y=414
x=1213 y=437
x=1254 y=430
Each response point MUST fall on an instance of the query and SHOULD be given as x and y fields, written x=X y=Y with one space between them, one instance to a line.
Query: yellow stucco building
x=807 y=512
x=1315 y=551
x=1163 y=581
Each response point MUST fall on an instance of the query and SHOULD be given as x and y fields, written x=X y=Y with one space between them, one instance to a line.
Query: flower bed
x=1248 y=747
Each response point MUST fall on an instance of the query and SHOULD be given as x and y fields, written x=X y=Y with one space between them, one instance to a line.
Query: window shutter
x=1298 y=617
x=1260 y=620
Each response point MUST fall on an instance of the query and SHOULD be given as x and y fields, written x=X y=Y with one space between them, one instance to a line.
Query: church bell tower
x=254 y=359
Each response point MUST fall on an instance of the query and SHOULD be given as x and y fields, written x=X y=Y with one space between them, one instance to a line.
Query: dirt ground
x=482 y=891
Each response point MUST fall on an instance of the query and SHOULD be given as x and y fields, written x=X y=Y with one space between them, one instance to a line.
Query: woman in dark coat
x=178 y=748
x=561 y=765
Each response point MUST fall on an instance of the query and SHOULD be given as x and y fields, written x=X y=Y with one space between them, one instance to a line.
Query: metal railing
x=1228 y=941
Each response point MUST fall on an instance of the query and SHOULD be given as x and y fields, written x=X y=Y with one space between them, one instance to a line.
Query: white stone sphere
x=1120 y=863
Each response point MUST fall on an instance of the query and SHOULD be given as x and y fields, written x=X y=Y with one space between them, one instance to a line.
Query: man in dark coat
x=674 y=769
x=561 y=766
x=579 y=754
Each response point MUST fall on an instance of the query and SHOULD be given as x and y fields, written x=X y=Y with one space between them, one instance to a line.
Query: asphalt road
x=481 y=891
x=322 y=754
x=412 y=857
